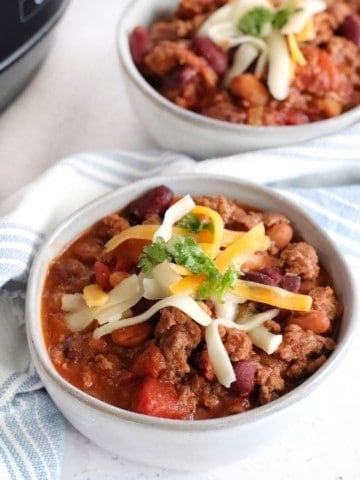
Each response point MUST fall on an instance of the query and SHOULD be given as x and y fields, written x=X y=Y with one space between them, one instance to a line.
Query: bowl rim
x=276 y=407
x=349 y=117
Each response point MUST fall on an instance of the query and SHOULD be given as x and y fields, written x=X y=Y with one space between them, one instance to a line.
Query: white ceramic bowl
x=201 y=444
x=202 y=137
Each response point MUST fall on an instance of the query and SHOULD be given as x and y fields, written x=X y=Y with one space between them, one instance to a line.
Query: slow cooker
x=25 y=35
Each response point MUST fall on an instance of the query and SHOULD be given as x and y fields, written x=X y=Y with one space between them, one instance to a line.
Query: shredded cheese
x=94 y=296
x=295 y=52
x=218 y=355
x=213 y=248
x=183 y=302
x=252 y=241
x=172 y=215
x=275 y=296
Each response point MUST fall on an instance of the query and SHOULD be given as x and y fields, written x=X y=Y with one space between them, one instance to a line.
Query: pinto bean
x=132 y=335
x=281 y=234
x=314 y=320
x=249 y=88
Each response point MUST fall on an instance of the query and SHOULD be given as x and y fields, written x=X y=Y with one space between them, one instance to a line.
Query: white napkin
x=323 y=177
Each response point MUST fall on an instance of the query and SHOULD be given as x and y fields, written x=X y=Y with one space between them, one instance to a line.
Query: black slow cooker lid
x=23 y=20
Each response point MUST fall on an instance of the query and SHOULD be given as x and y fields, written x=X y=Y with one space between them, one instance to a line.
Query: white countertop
x=77 y=102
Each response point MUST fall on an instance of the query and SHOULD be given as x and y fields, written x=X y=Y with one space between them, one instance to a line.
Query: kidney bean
x=249 y=88
x=273 y=273
x=290 y=283
x=155 y=201
x=281 y=234
x=245 y=371
x=102 y=274
x=350 y=28
x=139 y=44
x=72 y=350
x=213 y=54
x=259 y=277
x=314 y=320
x=180 y=78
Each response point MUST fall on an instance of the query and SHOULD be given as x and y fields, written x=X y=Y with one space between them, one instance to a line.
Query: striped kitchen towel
x=324 y=178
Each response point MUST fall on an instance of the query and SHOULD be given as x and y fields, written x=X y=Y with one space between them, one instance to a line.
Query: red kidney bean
x=290 y=283
x=72 y=350
x=214 y=55
x=273 y=273
x=259 y=277
x=350 y=28
x=155 y=201
x=245 y=371
x=180 y=78
x=139 y=44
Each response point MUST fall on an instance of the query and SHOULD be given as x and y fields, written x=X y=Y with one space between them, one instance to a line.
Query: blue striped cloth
x=323 y=177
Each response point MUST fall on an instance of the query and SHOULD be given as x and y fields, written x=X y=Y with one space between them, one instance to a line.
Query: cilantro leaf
x=254 y=21
x=193 y=223
x=187 y=252
x=216 y=287
x=153 y=255
x=282 y=16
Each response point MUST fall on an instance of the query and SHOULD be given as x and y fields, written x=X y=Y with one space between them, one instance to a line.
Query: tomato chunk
x=149 y=363
x=159 y=399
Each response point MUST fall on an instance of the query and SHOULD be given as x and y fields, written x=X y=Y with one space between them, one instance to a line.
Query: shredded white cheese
x=172 y=215
x=183 y=302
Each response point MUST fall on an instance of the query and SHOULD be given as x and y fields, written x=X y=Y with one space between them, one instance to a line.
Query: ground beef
x=223 y=108
x=300 y=259
x=178 y=335
x=269 y=377
x=298 y=344
x=324 y=300
x=191 y=8
x=115 y=223
x=237 y=343
x=346 y=55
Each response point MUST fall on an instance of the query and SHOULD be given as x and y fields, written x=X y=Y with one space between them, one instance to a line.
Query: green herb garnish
x=216 y=287
x=193 y=223
x=187 y=252
x=256 y=22
x=153 y=255
x=282 y=16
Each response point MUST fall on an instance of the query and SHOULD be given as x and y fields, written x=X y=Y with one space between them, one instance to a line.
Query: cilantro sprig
x=193 y=223
x=187 y=252
x=258 y=21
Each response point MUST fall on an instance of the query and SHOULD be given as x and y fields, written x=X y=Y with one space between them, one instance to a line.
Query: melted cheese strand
x=172 y=215
x=183 y=302
x=218 y=355
x=306 y=9
x=267 y=341
x=279 y=66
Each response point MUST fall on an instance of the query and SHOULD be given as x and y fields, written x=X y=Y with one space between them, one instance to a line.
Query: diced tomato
x=149 y=363
x=102 y=274
x=159 y=399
